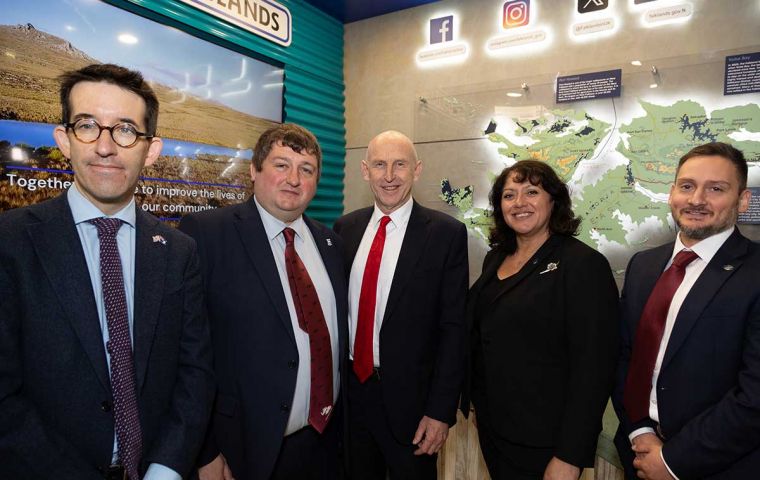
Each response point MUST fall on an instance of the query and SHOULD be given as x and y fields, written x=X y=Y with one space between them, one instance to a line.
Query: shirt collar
x=399 y=217
x=707 y=248
x=82 y=209
x=273 y=226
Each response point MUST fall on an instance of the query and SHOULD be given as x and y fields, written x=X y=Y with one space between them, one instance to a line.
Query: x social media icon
x=441 y=29
x=585 y=6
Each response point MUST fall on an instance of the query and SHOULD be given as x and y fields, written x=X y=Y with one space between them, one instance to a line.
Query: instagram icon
x=516 y=13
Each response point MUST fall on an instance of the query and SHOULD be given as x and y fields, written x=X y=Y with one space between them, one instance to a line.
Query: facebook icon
x=441 y=29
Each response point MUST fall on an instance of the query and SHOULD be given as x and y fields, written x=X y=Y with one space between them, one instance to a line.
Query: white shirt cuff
x=156 y=471
x=666 y=466
x=639 y=431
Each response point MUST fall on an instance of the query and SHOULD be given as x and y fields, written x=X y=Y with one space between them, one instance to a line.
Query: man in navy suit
x=105 y=358
x=688 y=387
x=267 y=422
x=407 y=289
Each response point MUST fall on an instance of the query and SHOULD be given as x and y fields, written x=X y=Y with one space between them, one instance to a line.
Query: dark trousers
x=374 y=451
x=309 y=455
x=509 y=461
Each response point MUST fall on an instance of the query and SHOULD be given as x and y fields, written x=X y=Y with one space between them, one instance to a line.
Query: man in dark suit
x=688 y=387
x=277 y=340
x=407 y=289
x=105 y=359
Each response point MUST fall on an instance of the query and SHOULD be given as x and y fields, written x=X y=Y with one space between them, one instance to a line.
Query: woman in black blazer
x=543 y=333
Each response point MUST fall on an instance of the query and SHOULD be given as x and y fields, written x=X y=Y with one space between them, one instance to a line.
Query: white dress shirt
x=307 y=250
x=394 y=237
x=706 y=250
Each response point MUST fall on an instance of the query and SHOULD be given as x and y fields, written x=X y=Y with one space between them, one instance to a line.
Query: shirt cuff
x=666 y=466
x=640 y=431
x=156 y=471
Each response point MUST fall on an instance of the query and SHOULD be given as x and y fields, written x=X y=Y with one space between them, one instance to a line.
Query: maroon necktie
x=311 y=319
x=364 y=362
x=646 y=344
x=119 y=346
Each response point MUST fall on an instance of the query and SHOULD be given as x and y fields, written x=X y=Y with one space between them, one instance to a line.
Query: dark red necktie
x=364 y=362
x=311 y=319
x=646 y=344
x=119 y=346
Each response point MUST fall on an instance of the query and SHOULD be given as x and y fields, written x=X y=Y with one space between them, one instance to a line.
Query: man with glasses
x=105 y=364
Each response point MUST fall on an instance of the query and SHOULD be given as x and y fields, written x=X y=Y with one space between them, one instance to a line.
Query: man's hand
x=430 y=436
x=559 y=470
x=216 y=470
x=645 y=442
x=648 y=462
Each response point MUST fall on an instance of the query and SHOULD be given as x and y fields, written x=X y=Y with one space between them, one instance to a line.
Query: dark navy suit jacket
x=708 y=390
x=255 y=350
x=56 y=417
x=422 y=337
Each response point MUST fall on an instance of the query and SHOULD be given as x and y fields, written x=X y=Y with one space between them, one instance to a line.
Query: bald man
x=407 y=288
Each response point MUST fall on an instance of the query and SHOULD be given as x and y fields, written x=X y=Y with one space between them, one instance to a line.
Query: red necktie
x=365 y=326
x=126 y=417
x=646 y=344
x=311 y=319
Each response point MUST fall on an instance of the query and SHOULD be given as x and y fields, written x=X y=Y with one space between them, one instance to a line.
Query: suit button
x=285 y=407
x=662 y=389
x=292 y=364
x=105 y=406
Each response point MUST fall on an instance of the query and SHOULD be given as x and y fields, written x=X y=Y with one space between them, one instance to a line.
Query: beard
x=700 y=233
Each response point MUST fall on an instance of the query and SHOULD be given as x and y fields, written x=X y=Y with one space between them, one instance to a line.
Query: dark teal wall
x=313 y=65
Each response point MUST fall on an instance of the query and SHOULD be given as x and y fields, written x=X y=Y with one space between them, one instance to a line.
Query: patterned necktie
x=364 y=362
x=128 y=434
x=311 y=319
x=646 y=344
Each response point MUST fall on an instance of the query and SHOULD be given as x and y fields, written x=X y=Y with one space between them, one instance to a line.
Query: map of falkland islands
x=621 y=196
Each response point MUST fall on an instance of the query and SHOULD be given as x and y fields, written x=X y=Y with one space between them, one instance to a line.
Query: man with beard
x=688 y=386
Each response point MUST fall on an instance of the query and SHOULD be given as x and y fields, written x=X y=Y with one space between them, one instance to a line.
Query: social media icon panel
x=441 y=29
x=586 y=6
x=516 y=13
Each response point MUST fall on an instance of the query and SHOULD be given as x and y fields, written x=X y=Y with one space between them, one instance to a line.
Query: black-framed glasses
x=87 y=130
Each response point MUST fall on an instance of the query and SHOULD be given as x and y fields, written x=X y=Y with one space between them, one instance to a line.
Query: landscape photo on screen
x=214 y=104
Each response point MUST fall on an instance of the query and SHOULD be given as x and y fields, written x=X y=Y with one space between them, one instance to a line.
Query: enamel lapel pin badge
x=159 y=239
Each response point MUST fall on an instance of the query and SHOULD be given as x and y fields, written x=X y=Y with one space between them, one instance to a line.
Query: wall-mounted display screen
x=215 y=103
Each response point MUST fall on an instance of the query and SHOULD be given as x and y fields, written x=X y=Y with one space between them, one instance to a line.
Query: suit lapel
x=150 y=269
x=703 y=291
x=352 y=236
x=333 y=263
x=256 y=244
x=542 y=257
x=59 y=248
x=415 y=238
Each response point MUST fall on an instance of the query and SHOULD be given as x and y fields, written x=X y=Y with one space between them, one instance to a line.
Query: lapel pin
x=728 y=268
x=329 y=242
x=159 y=239
x=550 y=267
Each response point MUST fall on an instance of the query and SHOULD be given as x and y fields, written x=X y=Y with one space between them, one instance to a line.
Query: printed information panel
x=742 y=74
x=588 y=86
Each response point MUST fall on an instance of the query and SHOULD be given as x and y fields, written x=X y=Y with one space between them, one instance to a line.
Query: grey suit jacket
x=56 y=416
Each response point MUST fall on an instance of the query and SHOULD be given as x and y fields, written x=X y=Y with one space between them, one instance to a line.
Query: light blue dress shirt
x=83 y=210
